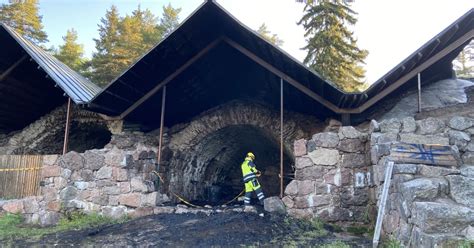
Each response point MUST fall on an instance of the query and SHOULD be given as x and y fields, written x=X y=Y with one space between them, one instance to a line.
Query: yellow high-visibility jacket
x=248 y=170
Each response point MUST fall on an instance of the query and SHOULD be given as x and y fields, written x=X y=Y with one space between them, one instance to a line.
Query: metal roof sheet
x=78 y=88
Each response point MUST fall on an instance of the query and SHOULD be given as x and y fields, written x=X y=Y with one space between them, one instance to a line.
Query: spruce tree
x=272 y=38
x=23 y=16
x=105 y=62
x=332 y=49
x=130 y=43
x=149 y=29
x=464 y=62
x=170 y=19
x=71 y=53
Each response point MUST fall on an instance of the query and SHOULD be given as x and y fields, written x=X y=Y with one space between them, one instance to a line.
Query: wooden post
x=281 y=138
x=346 y=119
x=162 y=122
x=68 y=122
x=383 y=202
x=419 y=92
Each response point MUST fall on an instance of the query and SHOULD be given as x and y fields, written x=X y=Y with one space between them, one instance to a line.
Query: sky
x=389 y=29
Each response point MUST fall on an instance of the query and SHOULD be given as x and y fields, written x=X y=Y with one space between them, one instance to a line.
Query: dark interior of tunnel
x=82 y=137
x=220 y=156
x=87 y=136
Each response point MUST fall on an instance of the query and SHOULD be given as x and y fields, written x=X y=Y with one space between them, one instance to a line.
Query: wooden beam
x=419 y=92
x=383 y=202
x=12 y=67
x=170 y=77
x=68 y=124
x=162 y=122
x=469 y=35
x=284 y=76
x=346 y=119
x=281 y=138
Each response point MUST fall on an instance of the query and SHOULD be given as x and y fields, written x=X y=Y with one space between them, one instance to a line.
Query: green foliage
x=464 y=62
x=466 y=244
x=391 y=242
x=105 y=62
x=358 y=230
x=71 y=53
x=332 y=49
x=122 y=40
x=11 y=225
x=23 y=16
x=303 y=232
x=336 y=244
x=170 y=19
x=272 y=38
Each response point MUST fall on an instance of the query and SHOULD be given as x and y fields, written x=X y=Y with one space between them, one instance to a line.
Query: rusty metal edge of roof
x=78 y=88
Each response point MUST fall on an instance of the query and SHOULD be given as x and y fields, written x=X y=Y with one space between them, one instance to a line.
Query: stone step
x=433 y=217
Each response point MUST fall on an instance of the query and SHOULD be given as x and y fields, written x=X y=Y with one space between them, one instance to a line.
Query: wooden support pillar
x=162 y=122
x=346 y=119
x=281 y=138
x=419 y=92
x=68 y=124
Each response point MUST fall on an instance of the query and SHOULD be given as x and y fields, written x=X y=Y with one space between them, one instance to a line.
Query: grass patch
x=337 y=244
x=11 y=225
x=358 y=230
x=391 y=242
x=301 y=232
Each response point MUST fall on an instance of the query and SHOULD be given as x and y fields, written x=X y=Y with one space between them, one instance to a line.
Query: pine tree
x=170 y=20
x=332 y=49
x=272 y=38
x=23 y=16
x=71 y=53
x=464 y=62
x=149 y=29
x=105 y=62
x=130 y=41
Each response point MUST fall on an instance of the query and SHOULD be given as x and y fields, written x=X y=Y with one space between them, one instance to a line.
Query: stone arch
x=46 y=135
x=210 y=148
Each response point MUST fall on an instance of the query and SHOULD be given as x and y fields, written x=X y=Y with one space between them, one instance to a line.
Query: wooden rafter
x=297 y=84
x=12 y=67
x=170 y=77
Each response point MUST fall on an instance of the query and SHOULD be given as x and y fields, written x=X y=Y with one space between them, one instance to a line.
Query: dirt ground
x=228 y=229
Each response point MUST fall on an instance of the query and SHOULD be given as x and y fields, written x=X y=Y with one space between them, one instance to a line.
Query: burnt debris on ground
x=201 y=230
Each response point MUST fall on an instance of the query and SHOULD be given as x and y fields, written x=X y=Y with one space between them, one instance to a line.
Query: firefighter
x=250 y=174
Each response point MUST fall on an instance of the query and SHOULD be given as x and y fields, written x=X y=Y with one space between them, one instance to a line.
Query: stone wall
x=332 y=178
x=429 y=205
x=115 y=181
x=208 y=150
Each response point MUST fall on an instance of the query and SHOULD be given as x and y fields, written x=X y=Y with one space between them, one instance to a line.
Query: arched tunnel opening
x=213 y=175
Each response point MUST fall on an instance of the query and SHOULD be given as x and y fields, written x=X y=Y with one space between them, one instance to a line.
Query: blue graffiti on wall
x=426 y=153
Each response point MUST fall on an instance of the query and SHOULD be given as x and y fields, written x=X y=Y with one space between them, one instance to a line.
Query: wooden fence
x=20 y=175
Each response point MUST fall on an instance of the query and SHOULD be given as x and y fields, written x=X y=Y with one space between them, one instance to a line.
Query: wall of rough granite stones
x=332 y=178
x=429 y=205
x=115 y=181
x=339 y=177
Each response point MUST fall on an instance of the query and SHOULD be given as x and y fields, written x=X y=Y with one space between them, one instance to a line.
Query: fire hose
x=187 y=202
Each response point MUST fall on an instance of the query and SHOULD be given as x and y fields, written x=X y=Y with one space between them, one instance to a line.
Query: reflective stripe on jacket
x=248 y=170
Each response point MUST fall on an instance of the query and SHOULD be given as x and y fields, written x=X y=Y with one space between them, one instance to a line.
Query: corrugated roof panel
x=80 y=89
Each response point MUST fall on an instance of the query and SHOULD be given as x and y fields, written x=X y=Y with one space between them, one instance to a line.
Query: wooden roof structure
x=212 y=58
x=33 y=82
